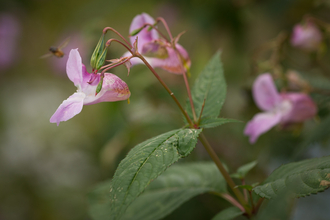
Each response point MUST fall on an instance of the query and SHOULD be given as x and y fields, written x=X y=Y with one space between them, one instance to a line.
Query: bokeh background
x=46 y=171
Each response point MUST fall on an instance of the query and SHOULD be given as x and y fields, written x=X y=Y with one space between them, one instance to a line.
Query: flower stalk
x=224 y=173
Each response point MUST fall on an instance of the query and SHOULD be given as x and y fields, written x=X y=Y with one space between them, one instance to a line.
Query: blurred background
x=46 y=171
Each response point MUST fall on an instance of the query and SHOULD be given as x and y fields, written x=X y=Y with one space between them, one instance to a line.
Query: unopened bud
x=97 y=52
x=151 y=27
x=101 y=58
x=99 y=86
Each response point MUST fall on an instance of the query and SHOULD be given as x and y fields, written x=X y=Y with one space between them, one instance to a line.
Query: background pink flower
x=306 y=36
x=284 y=108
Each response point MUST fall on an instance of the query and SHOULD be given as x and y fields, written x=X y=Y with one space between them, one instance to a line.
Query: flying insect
x=57 y=51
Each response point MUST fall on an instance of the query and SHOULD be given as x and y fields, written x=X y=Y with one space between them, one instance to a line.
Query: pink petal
x=264 y=92
x=144 y=36
x=113 y=89
x=303 y=108
x=69 y=108
x=74 y=67
x=173 y=63
x=261 y=123
x=86 y=84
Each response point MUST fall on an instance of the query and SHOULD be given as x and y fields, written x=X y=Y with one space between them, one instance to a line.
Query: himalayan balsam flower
x=307 y=37
x=279 y=108
x=113 y=89
x=156 y=50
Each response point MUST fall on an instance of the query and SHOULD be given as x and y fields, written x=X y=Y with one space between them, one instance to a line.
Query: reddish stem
x=118 y=41
x=137 y=54
x=166 y=27
x=113 y=30
x=233 y=201
x=154 y=27
x=113 y=65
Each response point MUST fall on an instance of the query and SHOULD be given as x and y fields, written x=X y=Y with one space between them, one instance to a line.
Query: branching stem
x=113 y=30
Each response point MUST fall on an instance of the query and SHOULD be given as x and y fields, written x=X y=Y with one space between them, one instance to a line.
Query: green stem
x=224 y=173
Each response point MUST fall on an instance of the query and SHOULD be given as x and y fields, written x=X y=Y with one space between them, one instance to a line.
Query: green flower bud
x=97 y=52
x=101 y=59
x=99 y=86
x=136 y=31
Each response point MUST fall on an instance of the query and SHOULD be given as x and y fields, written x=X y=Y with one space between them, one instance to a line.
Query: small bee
x=57 y=51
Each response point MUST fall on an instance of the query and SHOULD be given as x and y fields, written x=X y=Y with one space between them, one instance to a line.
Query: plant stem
x=105 y=30
x=166 y=87
x=166 y=27
x=233 y=201
x=224 y=173
x=189 y=95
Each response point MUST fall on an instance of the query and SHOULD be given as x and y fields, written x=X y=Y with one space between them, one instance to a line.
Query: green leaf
x=301 y=178
x=174 y=187
x=144 y=163
x=99 y=201
x=215 y=122
x=243 y=170
x=228 y=214
x=209 y=86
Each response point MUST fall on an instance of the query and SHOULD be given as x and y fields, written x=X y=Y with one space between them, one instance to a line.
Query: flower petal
x=144 y=36
x=74 y=67
x=303 y=107
x=174 y=63
x=113 y=89
x=264 y=92
x=261 y=123
x=69 y=108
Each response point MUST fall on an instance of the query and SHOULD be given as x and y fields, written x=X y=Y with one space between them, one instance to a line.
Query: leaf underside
x=300 y=178
x=175 y=186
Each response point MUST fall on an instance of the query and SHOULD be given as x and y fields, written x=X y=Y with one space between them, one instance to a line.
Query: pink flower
x=156 y=50
x=307 y=37
x=113 y=89
x=284 y=108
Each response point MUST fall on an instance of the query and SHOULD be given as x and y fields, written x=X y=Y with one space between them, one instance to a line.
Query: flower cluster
x=156 y=50
x=96 y=87
x=279 y=108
